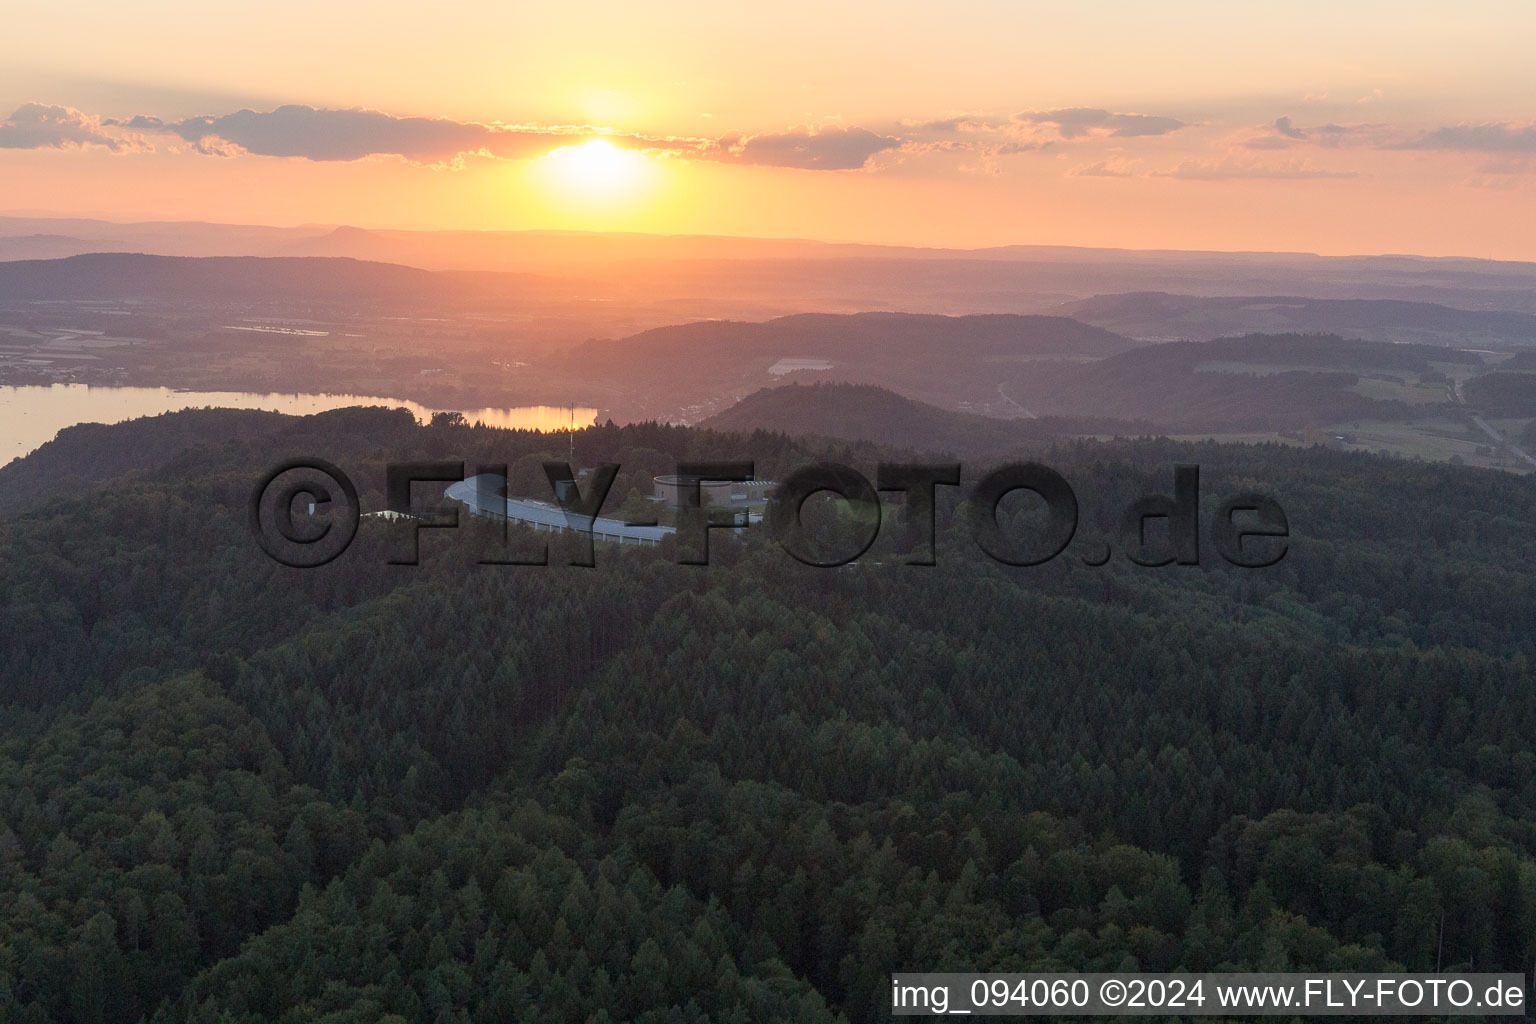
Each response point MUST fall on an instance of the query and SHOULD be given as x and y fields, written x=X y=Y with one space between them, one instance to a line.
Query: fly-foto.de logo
x=305 y=513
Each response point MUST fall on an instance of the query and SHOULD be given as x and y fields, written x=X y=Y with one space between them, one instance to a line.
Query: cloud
x=1013 y=147
x=297 y=131
x=1228 y=170
x=41 y=126
x=1283 y=133
x=1284 y=127
x=1514 y=163
x=1110 y=168
x=1505 y=172
x=1495 y=137
x=319 y=134
x=958 y=123
x=824 y=149
x=137 y=123
x=1074 y=122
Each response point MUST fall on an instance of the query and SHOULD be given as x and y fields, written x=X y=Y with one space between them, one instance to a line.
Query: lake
x=30 y=416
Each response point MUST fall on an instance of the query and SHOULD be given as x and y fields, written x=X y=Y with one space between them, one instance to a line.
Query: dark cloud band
x=1074 y=122
x=45 y=126
x=319 y=134
x=1497 y=137
x=825 y=149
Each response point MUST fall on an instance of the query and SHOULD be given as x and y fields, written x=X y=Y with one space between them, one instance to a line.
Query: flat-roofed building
x=676 y=490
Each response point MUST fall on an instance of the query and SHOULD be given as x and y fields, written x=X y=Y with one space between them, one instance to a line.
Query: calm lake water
x=31 y=416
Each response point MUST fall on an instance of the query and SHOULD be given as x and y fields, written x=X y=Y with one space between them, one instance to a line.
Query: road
x=1488 y=429
x=1009 y=399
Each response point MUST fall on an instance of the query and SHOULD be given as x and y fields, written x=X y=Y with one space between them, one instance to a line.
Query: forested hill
x=223 y=278
x=1254 y=382
x=1012 y=367
x=87 y=455
x=1200 y=318
x=947 y=360
x=862 y=412
x=1503 y=394
x=236 y=792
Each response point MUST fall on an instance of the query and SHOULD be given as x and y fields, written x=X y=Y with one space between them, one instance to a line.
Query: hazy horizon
x=327 y=227
x=1324 y=129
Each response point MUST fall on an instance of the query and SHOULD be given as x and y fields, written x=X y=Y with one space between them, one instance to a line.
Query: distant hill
x=140 y=276
x=1250 y=383
x=164 y=238
x=53 y=247
x=1163 y=316
x=781 y=275
x=1256 y=382
x=690 y=371
x=862 y=412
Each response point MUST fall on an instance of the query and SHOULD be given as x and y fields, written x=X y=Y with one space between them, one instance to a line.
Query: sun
x=597 y=170
x=597 y=183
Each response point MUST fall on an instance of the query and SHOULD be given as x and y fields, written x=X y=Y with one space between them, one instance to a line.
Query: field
x=1437 y=439
x=1413 y=392
x=1433 y=439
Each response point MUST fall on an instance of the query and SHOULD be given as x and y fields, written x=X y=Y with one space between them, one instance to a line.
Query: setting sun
x=597 y=170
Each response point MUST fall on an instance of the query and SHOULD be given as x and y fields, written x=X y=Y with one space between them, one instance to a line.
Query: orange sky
x=1330 y=127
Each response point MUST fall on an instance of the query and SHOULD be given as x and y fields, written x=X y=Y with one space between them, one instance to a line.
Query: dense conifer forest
x=232 y=791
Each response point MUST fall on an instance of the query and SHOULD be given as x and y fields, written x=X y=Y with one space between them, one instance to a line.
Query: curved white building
x=486 y=496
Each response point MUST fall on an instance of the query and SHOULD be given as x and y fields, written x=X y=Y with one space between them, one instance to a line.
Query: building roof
x=484 y=494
